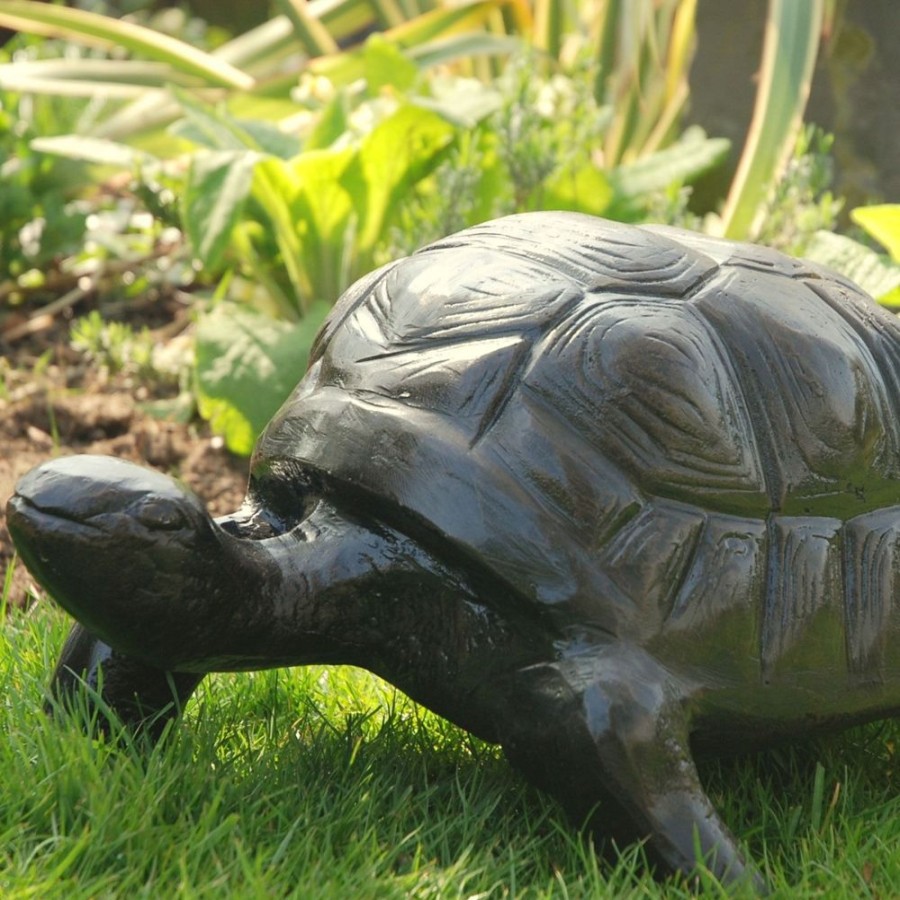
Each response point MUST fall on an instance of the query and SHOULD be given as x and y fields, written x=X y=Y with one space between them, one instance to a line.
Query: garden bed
x=55 y=404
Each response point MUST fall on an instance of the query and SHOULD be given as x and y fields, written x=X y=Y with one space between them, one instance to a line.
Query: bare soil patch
x=54 y=404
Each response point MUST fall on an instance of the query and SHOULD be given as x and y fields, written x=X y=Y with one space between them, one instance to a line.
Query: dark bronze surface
x=601 y=494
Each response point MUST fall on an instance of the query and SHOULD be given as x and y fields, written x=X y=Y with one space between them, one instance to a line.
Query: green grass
x=320 y=783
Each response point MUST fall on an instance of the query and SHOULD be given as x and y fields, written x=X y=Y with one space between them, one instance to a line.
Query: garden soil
x=53 y=403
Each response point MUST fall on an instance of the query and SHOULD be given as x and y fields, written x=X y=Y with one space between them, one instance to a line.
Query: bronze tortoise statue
x=602 y=494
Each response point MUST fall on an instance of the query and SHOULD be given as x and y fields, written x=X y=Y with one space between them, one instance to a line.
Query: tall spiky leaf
x=90 y=28
x=789 y=54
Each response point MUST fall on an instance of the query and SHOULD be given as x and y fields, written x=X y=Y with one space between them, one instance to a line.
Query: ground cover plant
x=204 y=252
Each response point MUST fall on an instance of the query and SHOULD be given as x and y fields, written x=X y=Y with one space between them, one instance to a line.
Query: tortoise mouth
x=22 y=509
x=29 y=523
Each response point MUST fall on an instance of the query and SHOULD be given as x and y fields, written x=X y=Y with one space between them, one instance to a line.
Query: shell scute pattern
x=872 y=574
x=726 y=573
x=646 y=381
x=808 y=439
x=650 y=556
x=803 y=608
x=608 y=383
x=588 y=496
x=601 y=494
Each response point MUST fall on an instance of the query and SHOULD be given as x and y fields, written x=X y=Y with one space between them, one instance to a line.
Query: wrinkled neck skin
x=332 y=590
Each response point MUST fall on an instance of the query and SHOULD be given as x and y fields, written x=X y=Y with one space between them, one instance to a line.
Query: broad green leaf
x=269 y=138
x=681 y=163
x=387 y=66
x=325 y=215
x=332 y=123
x=86 y=27
x=218 y=129
x=396 y=154
x=585 y=190
x=882 y=222
x=493 y=185
x=891 y=299
x=210 y=127
x=872 y=272
x=247 y=365
x=280 y=177
x=214 y=128
x=217 y=187
x=275 y=187
x=789 y=55
x=463 y=101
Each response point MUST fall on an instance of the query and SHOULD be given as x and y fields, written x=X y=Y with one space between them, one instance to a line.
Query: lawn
x=326 y=782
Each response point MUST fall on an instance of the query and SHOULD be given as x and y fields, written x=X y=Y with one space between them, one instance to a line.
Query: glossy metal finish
x=602 y=494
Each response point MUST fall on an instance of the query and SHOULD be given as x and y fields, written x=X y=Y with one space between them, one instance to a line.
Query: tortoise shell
x=640 y=414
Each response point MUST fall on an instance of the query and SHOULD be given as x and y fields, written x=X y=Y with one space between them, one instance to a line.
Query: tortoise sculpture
x=602 y=494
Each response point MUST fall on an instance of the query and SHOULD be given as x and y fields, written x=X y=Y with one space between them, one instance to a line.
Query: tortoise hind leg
x=142 y=697
x=610 y=722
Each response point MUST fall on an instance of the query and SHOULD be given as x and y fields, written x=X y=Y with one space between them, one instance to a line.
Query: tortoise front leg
x=143 y=697
x=610 y=721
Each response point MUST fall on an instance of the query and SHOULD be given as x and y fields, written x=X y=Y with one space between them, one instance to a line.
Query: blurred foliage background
x=255 y=160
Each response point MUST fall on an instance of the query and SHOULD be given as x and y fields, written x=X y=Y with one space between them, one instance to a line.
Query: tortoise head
x=124 y=549
x=137 y=559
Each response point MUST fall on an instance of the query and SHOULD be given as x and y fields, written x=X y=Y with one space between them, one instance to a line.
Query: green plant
x=289 y=220
x=874 y=272
x=255 y=70
x=536 y=143
x=327 y=783
x=246 y=365
x=112 y=345
x=882 y=222
x=642 y=53
x=789 y=54
x=801 y=203
x=38 y=220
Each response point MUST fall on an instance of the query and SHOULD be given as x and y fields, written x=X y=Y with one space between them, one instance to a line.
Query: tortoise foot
x=116 y=687
x=609 y=722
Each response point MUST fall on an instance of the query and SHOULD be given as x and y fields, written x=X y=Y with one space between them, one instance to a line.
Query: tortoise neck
x=331 y=590
x=369 y=596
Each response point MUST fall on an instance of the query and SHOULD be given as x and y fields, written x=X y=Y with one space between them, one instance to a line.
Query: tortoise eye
x=160 y=515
